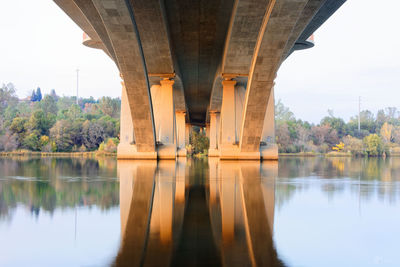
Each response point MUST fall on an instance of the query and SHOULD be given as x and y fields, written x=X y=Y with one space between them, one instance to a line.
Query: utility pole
x=77 y=85
x=359 y=113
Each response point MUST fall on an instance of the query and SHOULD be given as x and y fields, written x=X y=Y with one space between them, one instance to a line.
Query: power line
x=359 y=114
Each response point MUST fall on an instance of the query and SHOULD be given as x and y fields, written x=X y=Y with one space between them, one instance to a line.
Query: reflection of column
x=166 y=186
x=160 y=241
x=256 y=221
x=246 y=222
x=180 y=181
x=180 y=133
x=269 y=172
x=164 y=117
x=227 y=174
x=135 y=203
x=214 y=128
x=126 y=173
x=213 y=180
x=268 y=146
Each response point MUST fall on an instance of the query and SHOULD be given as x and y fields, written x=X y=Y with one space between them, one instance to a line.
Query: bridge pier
x=228 y=147
x=164 y=119
x=127 y=148
x=214 y=134
x=181 y=133
x=268 y=146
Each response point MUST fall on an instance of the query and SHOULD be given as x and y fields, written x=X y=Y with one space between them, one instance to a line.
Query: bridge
x=198 y=62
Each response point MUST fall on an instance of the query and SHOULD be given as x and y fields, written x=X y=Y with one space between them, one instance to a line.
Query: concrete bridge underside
x=198 y=62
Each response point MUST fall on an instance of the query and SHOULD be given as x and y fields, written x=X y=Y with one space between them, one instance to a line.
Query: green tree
x=38 y=94
x=335 y=123
x=282 y=113
x=373 y=145
x=61 y=134
x=199 y=141
x=49 y=105
x=38 y=121
x=32 y=141
x=109 y=106
x=8 y=97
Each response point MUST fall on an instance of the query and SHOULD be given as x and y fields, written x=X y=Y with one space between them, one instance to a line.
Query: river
x=194 y=212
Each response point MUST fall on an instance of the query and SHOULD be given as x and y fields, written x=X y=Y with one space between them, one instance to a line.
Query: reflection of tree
x=57 y=182
x=362 y=171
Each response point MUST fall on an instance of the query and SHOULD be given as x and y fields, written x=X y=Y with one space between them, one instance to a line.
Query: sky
x=356 y=53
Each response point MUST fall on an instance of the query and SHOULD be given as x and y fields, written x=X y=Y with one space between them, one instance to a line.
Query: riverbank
x=313 y=154
x=27 y=153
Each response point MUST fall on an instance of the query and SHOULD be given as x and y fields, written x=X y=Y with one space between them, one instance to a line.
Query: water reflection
x=50 y=183
x=54 y=210
x=193 y=213
x=100 y=212
x=367 y=178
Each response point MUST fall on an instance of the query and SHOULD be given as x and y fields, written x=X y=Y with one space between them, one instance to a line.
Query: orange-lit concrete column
x=268 y=146
x=180 y=133
x=188 y=131
x=127 y=138
x=214 y=133
x=164 y=118
x=127 y=147
x=227 y=145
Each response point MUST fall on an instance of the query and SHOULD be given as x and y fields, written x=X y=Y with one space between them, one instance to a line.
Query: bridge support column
x=164 y=118
x=230 y=123
x=268 y=146
x=228 y=146
x=180 y=133
x=188 y=131
x=214 y=134
x=127 y=147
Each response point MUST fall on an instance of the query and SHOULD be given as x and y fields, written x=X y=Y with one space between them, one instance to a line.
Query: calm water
x=300 y=212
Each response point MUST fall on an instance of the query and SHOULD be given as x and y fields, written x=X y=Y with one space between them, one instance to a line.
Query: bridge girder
x=199 y=44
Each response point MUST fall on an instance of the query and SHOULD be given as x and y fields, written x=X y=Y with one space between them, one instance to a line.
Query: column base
x=128 y=151
x=233 y=152
x=269 y=152
x=166 y=151
x=213 y=152
x=182 y=152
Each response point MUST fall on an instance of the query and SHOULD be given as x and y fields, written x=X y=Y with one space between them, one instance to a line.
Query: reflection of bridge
x=171 y=217
x=198 y=62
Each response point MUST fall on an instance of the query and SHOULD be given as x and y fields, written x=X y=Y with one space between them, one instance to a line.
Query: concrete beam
x=278 y=24
x=306 y=16
x=93 y=16
x=118 y=21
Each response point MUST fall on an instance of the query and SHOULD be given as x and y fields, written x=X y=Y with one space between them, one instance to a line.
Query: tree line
x=378 y=135
x=56 y=123
x=52 y=123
